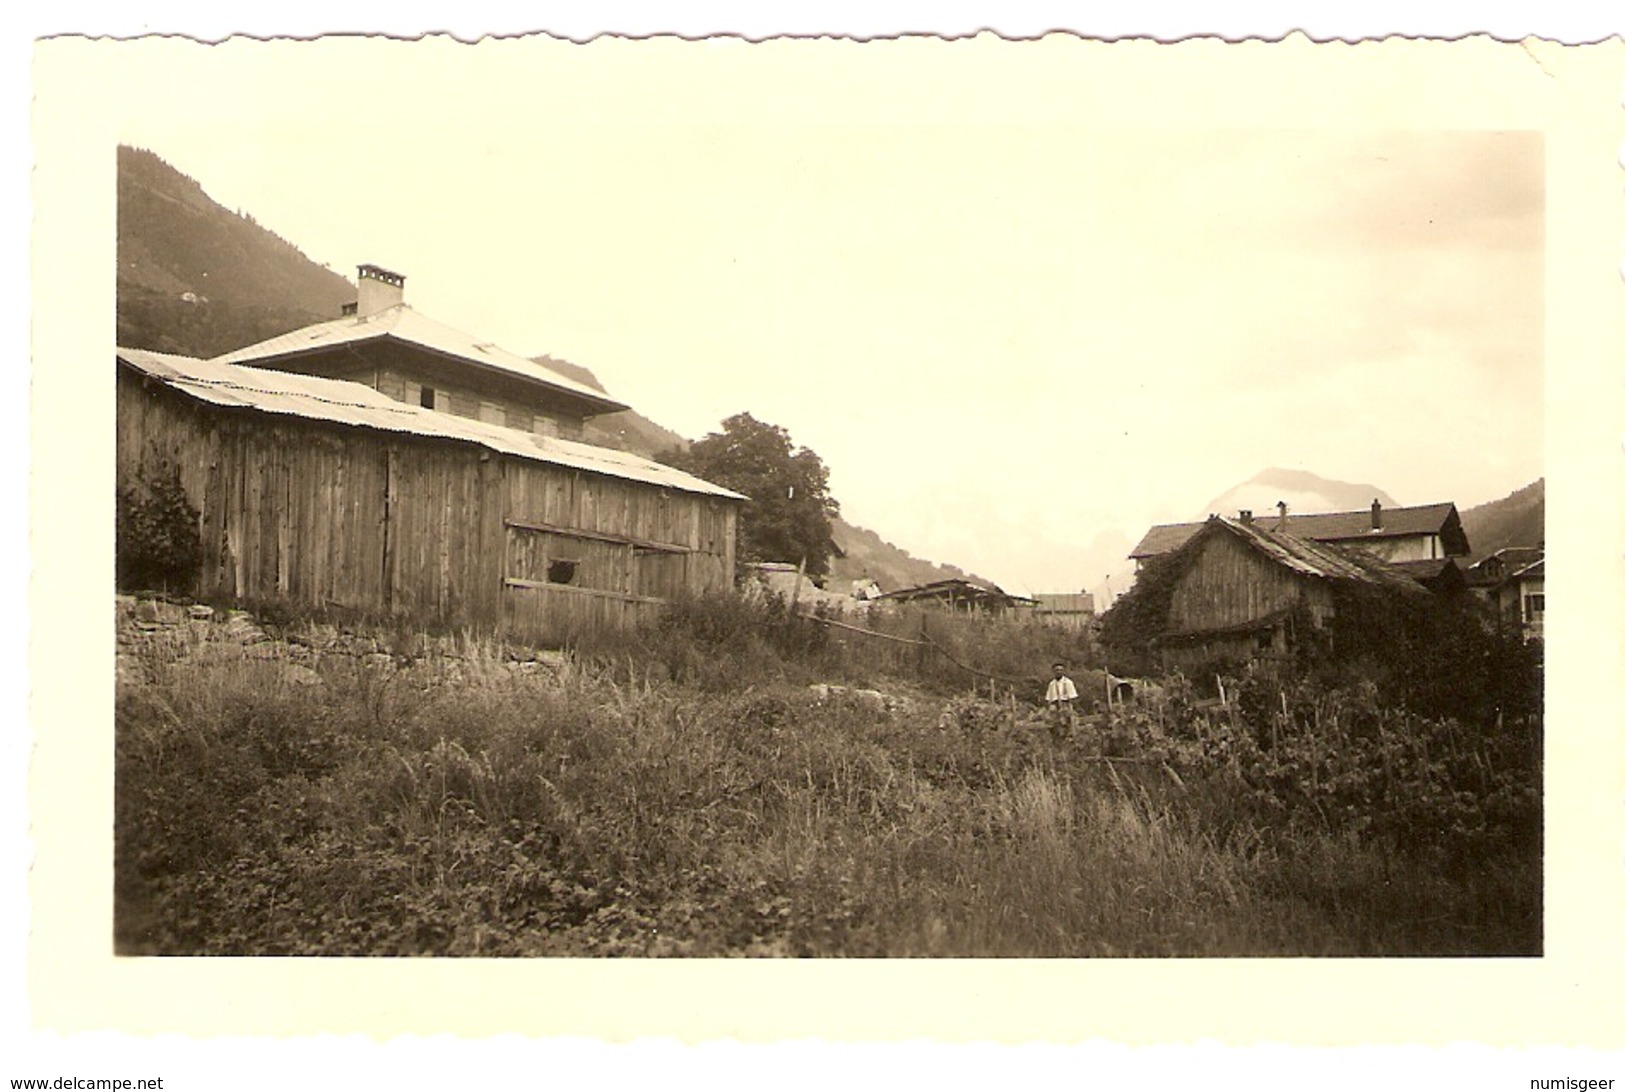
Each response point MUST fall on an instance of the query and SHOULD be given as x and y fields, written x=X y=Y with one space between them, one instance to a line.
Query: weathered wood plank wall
x=1229 y=584
x=440 y=532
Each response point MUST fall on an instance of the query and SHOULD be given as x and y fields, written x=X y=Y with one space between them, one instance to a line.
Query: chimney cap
x=368 y=271
x=1246 y=515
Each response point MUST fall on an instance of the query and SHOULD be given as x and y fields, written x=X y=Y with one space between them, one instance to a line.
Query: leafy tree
x=788 y=515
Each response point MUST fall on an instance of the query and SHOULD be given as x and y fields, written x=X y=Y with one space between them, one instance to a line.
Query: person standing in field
x=1060 y=698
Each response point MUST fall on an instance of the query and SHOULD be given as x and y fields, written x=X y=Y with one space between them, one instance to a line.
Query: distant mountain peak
x=1303 y=492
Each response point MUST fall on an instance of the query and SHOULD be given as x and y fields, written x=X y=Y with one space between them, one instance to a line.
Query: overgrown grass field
x=684 y=793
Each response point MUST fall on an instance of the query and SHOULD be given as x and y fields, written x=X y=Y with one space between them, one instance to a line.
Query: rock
x=241 y=627
x=300 y=675
x=200 y=612
x=870 y=699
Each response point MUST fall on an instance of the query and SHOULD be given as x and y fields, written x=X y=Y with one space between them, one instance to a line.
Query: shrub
x=158 y=544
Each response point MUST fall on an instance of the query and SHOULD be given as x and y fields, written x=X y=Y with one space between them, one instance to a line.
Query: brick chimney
x=1246 y=515
x=1376 y=514
x=377 y=289
x=1280 y=506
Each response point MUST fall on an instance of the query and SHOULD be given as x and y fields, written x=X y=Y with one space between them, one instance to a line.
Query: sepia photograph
x=501 y=573
x=668 y=501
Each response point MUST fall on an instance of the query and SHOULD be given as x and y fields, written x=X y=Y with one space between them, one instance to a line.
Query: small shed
x=326 y=493
x=960 y=595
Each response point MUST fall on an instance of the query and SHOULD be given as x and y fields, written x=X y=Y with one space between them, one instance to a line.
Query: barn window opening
x=426 y=398
x=561 y=571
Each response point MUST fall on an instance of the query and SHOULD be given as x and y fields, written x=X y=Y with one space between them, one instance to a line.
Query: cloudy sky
x=1022 y=312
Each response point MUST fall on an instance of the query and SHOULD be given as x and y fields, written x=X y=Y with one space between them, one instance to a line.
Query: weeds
x=686 y=794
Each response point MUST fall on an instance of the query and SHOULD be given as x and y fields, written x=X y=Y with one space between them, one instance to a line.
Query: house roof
x=1437 y=574
x=955 y=588
x=1426 y=569
x=1425 y=519
x=401 y=323
x=340 y=402
x=1502 y=565
x=1534 y=570
x=1509 y=557
x=1322 y=560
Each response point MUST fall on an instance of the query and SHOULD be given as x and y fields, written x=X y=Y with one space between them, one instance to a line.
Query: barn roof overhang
x=354 y=405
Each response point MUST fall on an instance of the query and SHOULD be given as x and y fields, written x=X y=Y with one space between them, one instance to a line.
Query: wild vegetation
x=685 y=792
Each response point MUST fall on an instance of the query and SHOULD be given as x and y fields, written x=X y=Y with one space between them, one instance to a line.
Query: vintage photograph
x=691 y=499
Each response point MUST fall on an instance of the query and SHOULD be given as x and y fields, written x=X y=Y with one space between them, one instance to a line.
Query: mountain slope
x=1518 y=519
x=194 y=278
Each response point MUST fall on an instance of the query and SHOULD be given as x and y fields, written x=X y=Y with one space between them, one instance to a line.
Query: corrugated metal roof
x=345 y=403
x=1422 y=519
x=404 y=324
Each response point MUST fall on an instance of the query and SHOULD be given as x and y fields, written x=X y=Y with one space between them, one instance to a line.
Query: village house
x=321 y=492
x=1512 y=583
x=382 y=342
x=1074 y=611
x=1428 y=532
x=1241 y=591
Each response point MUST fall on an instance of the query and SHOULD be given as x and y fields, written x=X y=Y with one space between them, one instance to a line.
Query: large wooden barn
x=1240 y=591
x=324 y=493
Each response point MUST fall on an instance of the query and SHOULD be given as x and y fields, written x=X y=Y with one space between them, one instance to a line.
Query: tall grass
x=688 y=795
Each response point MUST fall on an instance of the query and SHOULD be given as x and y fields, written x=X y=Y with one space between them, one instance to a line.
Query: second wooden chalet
x=1237 y=591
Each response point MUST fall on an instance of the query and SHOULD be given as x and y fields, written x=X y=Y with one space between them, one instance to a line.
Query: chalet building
x=383 y=343
x=959 y=595
x=323 y=492
x=1065 y=610
x=1241 y=591
x=1428 y=532
x=1512 y=582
